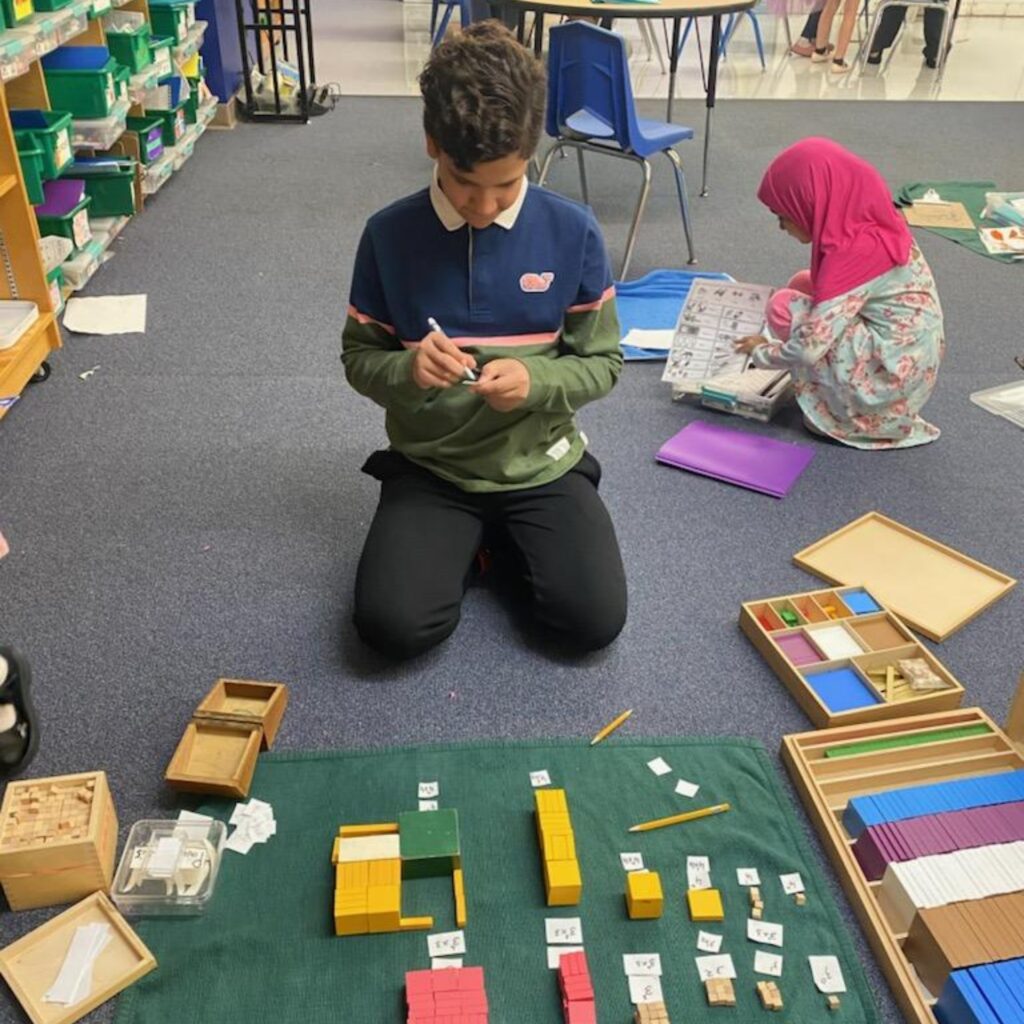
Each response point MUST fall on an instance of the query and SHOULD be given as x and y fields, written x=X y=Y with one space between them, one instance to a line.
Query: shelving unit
x=23 y=85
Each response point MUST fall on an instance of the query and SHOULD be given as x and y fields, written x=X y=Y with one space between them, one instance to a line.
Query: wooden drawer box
x=58 y=837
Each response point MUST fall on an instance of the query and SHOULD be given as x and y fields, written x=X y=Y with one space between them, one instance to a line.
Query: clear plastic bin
x=54 y=250
x=100 y=133
x=158 y=172
x=168 y=868
x=17 y=52
x=79 y=270
x=73 y=25
x=16 y=317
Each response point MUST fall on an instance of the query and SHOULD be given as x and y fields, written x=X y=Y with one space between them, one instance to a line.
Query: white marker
x=470 y=374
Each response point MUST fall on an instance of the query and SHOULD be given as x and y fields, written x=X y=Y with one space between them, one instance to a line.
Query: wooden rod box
x=30 y=965
x=826 y=784
x=58 y=837
x=788 y=632
x=233 y=722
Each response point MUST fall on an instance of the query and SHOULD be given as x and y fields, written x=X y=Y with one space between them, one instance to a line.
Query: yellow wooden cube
x=644 y=897
x=563 y=882
x=550 y=800
x=705 y=905
x=352 y=875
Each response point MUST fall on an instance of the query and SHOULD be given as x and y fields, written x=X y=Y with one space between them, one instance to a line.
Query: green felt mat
x=265 y=952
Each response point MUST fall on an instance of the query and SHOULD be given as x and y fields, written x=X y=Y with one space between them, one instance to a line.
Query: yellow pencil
x=676 y=819
x=611 y=727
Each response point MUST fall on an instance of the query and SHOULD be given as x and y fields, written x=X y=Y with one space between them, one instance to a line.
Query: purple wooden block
x=870 y=857
x=798 y=649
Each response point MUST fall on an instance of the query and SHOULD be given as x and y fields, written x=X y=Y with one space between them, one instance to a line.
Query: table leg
x=538 y=33
x=716 y=36
x=673 y=63
x=521 y=26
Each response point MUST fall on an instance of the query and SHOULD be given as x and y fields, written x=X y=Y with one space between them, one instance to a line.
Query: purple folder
x=746 y=460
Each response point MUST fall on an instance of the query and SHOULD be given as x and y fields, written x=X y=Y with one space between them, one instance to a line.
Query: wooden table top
x=663 y=9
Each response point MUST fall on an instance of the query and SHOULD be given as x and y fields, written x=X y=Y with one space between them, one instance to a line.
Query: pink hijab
x=842 y=202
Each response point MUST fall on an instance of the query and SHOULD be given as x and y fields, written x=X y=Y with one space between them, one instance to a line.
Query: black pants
x=892 y=18
x=425 y=535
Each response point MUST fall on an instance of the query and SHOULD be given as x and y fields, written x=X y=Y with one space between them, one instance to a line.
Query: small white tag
x=720 y=966
x=541 y=778
x=764 y=932
x=644 y=990
x=768 y=963
x=659 y=766
x=792 y=884
x=748 y=876
x=698 y=873
x=644 y=965
x=563 y=930
x=441 y=963
x=555 y=954
x=559 y=449
x=426 y=790
x=632 y=861
x=828 y=975
x=684 y=788
x=444 y=944
x=428 y=805
x=708 y=943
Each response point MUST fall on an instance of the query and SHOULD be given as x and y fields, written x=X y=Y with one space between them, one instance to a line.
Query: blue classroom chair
x=465 y=17
x=730 y=26
x=591 y=110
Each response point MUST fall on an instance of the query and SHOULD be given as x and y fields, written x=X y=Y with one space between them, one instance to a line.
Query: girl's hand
x=749 y=343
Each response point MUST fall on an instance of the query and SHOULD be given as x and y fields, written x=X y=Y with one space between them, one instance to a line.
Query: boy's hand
x=749 y=343
x=504 y=384
x=438 y=362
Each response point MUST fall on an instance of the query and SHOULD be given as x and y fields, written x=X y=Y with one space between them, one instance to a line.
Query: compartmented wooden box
x=30 y=965
x=58 y=837
x=832 y=649
x=831 y=767
x=233 y=722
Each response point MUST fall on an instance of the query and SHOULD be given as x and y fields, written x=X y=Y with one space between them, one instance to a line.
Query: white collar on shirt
x=453 y=220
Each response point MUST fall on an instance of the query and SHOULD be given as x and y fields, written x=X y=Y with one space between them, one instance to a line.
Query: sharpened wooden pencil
x=611 y=727
x=677 y=819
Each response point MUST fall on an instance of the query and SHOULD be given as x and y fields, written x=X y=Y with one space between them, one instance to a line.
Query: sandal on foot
x=840 y=66
x=822 y=55
x=802 y=47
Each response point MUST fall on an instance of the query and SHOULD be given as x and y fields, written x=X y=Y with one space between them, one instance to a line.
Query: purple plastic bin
x=61 y=197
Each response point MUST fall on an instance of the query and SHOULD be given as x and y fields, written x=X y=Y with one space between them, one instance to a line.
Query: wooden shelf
x=19 y=363
x=7 y=182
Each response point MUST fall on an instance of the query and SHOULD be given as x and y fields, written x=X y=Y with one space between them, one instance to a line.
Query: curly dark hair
x=483 y=96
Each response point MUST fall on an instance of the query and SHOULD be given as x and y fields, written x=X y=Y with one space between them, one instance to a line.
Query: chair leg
x=730 y=27
x=789 y=32
x=652 y=43
x=556 y=147
x=583 y=176
x=637 y=215
x=686 y=34
x=757 y=38
x=434 y=4
x=443 y=27
x=684 y=206
x=866 y=45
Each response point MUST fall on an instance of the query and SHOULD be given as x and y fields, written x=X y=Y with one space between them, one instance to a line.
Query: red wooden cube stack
x=577 y=991
x=454 y=995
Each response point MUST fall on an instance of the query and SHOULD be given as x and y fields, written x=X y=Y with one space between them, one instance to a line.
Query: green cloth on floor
x=972 y=195
x=265 y=952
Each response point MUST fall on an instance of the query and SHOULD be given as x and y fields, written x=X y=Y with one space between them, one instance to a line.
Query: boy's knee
x=587 y=622
x=399 y=632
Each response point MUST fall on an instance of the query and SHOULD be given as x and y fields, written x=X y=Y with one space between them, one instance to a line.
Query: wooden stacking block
x=705 y=905
x=651 y=1013
x=769 y=994
x=563 y=882
x=578 y=1004
x=58 y=837
x=644 y=897
x=452 y=996
x=833 y=1003
x=459 y=893
x=720 y=992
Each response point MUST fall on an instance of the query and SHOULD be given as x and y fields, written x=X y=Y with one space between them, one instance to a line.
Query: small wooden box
x=58 y=837
x=233 y=722
x=881 y=637
x=30 y=965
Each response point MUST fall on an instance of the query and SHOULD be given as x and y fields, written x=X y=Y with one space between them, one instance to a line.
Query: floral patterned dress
x=864 y=363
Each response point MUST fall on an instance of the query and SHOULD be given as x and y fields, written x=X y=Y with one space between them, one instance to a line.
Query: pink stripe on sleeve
x=364 y=319
x=587 y=307
x=499 y=340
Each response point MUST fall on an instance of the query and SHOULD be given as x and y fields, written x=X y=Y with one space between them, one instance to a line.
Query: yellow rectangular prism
x=459 y=890
x=563 y=882
x=705 y=905
x=645 y=899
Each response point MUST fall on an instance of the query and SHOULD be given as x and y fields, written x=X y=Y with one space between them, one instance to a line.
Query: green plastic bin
x=50 y=5
x=55 y=282
x=16 y=11
x=122 y=82
x=64 y=216
x=131 y=48
x=81 y=82
x=192 y=103
x=111 y=189
x=51 y=131
x=151 y=137
x=172 y=121
x=30 y=156
x=172 y=19
x=160 y=52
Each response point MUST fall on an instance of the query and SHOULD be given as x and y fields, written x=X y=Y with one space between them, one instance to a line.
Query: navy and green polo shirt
x=535 y=286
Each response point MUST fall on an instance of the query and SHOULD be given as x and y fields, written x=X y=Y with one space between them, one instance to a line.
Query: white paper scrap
x=442 y=944
x=765 y=932
x=828 y=975
x=164 y=858
x=698 y=873
x=768 y=963
x=644 y=965
x=659 y=766
x=238 y=842
x=111 y=314
x=555 y=954
x=440 y=963
x=684 y=788
x=644 y=990
x=563 y=930
x=632 y=861
x=748 y=876
x=74 y=979
x=792 y=884
x=719 y=966
x=428 y=805
x=541 y=778
x=427 y=790
x=649 y=338
x=708 y=943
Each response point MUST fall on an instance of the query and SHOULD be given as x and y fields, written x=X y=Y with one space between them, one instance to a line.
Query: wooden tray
x=31 y=964
x=247 y=700
x=826 y=785
x=882 y=635
x=934 y=588
x=216 y=757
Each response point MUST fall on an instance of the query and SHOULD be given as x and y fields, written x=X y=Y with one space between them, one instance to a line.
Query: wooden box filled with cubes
x=57 y=839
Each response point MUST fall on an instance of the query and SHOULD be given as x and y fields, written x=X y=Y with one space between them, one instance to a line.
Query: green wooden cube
x=428 y=842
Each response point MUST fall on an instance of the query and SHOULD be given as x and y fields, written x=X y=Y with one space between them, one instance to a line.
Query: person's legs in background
x=804 y=45
x=888 y=27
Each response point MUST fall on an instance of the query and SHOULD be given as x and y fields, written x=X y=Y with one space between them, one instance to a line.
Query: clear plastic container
x=168 y=868
x=157 y=173
x=102 y=132
x=16 y=317
x=79 y=270
x=54 y=250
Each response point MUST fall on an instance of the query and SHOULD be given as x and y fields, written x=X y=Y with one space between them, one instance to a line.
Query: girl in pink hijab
x=861 y=330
